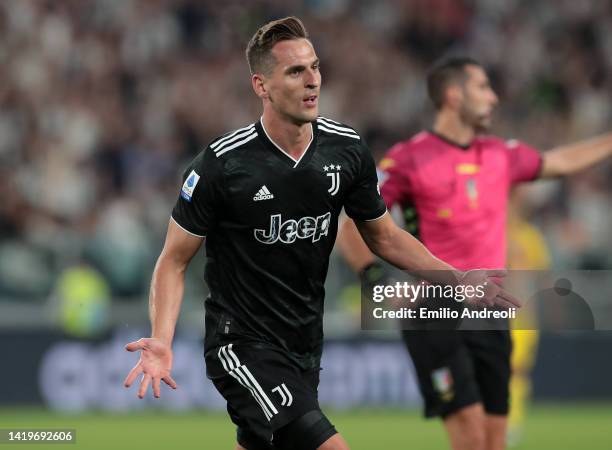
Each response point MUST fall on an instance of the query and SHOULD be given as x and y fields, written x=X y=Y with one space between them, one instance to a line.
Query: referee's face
x=479 y=99
x=292 y=87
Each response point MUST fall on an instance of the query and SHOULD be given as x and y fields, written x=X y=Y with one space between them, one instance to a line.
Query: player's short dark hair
x=259 y=50
x=444 y=72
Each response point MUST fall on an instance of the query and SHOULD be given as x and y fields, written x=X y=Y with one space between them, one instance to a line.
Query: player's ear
x=259 y=85
x=453 y=95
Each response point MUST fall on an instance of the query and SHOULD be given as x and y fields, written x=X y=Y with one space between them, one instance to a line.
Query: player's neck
x=291 y=138
x=449 y=125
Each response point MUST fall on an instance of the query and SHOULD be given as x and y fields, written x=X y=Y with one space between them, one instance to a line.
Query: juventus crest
x=333 y=171
x=286 y=397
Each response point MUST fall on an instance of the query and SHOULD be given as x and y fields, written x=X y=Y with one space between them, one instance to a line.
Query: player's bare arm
x=355 y=252
x=165 y=299
x=572 y=158
x=398 y=247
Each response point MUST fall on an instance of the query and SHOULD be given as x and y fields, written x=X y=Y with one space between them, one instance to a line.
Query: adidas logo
x=263 y=194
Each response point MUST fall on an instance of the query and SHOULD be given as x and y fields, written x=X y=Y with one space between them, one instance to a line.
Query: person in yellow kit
x=527 y=250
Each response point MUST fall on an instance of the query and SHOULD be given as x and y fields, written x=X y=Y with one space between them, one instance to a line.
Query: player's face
x=479 y=99
x=294 y=84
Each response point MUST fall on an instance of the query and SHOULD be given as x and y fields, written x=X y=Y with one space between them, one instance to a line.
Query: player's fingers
x=491 y=292
x=136 y=370
x=140 y=344
x=502 y=303
x=144 y=384
x=169 y=381
x=156 y=387
x=480 y=302
x=506 y=301
x=486 y=301
x=507 y=296
x=496 y=273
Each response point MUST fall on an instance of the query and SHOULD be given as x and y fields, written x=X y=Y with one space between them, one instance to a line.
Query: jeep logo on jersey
x=290 y=230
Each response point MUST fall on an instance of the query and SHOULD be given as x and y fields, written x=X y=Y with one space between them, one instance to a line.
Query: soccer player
x=266 y=199
x=452 y=183
x=527 y=250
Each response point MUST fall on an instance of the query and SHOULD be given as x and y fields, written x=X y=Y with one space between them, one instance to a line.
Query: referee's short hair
x=259 y=50
x=444 y=72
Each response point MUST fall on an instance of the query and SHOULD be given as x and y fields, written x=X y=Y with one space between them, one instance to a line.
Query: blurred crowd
x=103 y=103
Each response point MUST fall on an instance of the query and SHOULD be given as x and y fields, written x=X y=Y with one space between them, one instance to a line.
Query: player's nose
x=494 y=98
x=312 y=79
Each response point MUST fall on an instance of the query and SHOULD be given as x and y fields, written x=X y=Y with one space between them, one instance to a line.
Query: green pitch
x=552 y=427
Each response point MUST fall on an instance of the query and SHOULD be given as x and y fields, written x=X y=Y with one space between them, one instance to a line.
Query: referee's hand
x=494 y=295
x=155 y=364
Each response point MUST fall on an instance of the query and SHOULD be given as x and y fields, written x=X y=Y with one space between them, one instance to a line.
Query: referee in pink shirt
x=452 y=184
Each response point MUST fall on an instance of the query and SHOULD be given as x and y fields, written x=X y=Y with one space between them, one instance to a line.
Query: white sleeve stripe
x=354 y=136
x=186 y=231
x=234 y=139
x=335 y=127
x=237 y=144
x=229 y=136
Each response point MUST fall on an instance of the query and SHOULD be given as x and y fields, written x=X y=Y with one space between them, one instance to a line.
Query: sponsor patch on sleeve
x=189 y=185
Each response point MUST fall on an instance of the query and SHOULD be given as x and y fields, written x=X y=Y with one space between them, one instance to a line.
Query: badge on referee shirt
x=472 y=192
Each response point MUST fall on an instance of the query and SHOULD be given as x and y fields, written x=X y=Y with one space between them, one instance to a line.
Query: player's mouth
x=487 y=115
x=310 y=101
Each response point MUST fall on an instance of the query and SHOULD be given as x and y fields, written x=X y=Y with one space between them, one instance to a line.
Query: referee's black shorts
x=267 y=395
x=456 y=369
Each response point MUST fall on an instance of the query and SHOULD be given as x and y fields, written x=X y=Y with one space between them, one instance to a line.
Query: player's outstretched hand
x=494 y=295
x=155 y=364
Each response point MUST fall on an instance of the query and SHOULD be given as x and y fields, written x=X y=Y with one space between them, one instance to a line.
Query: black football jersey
x=270 y=223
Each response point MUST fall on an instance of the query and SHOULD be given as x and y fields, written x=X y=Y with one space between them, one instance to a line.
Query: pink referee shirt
x=458 y=195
